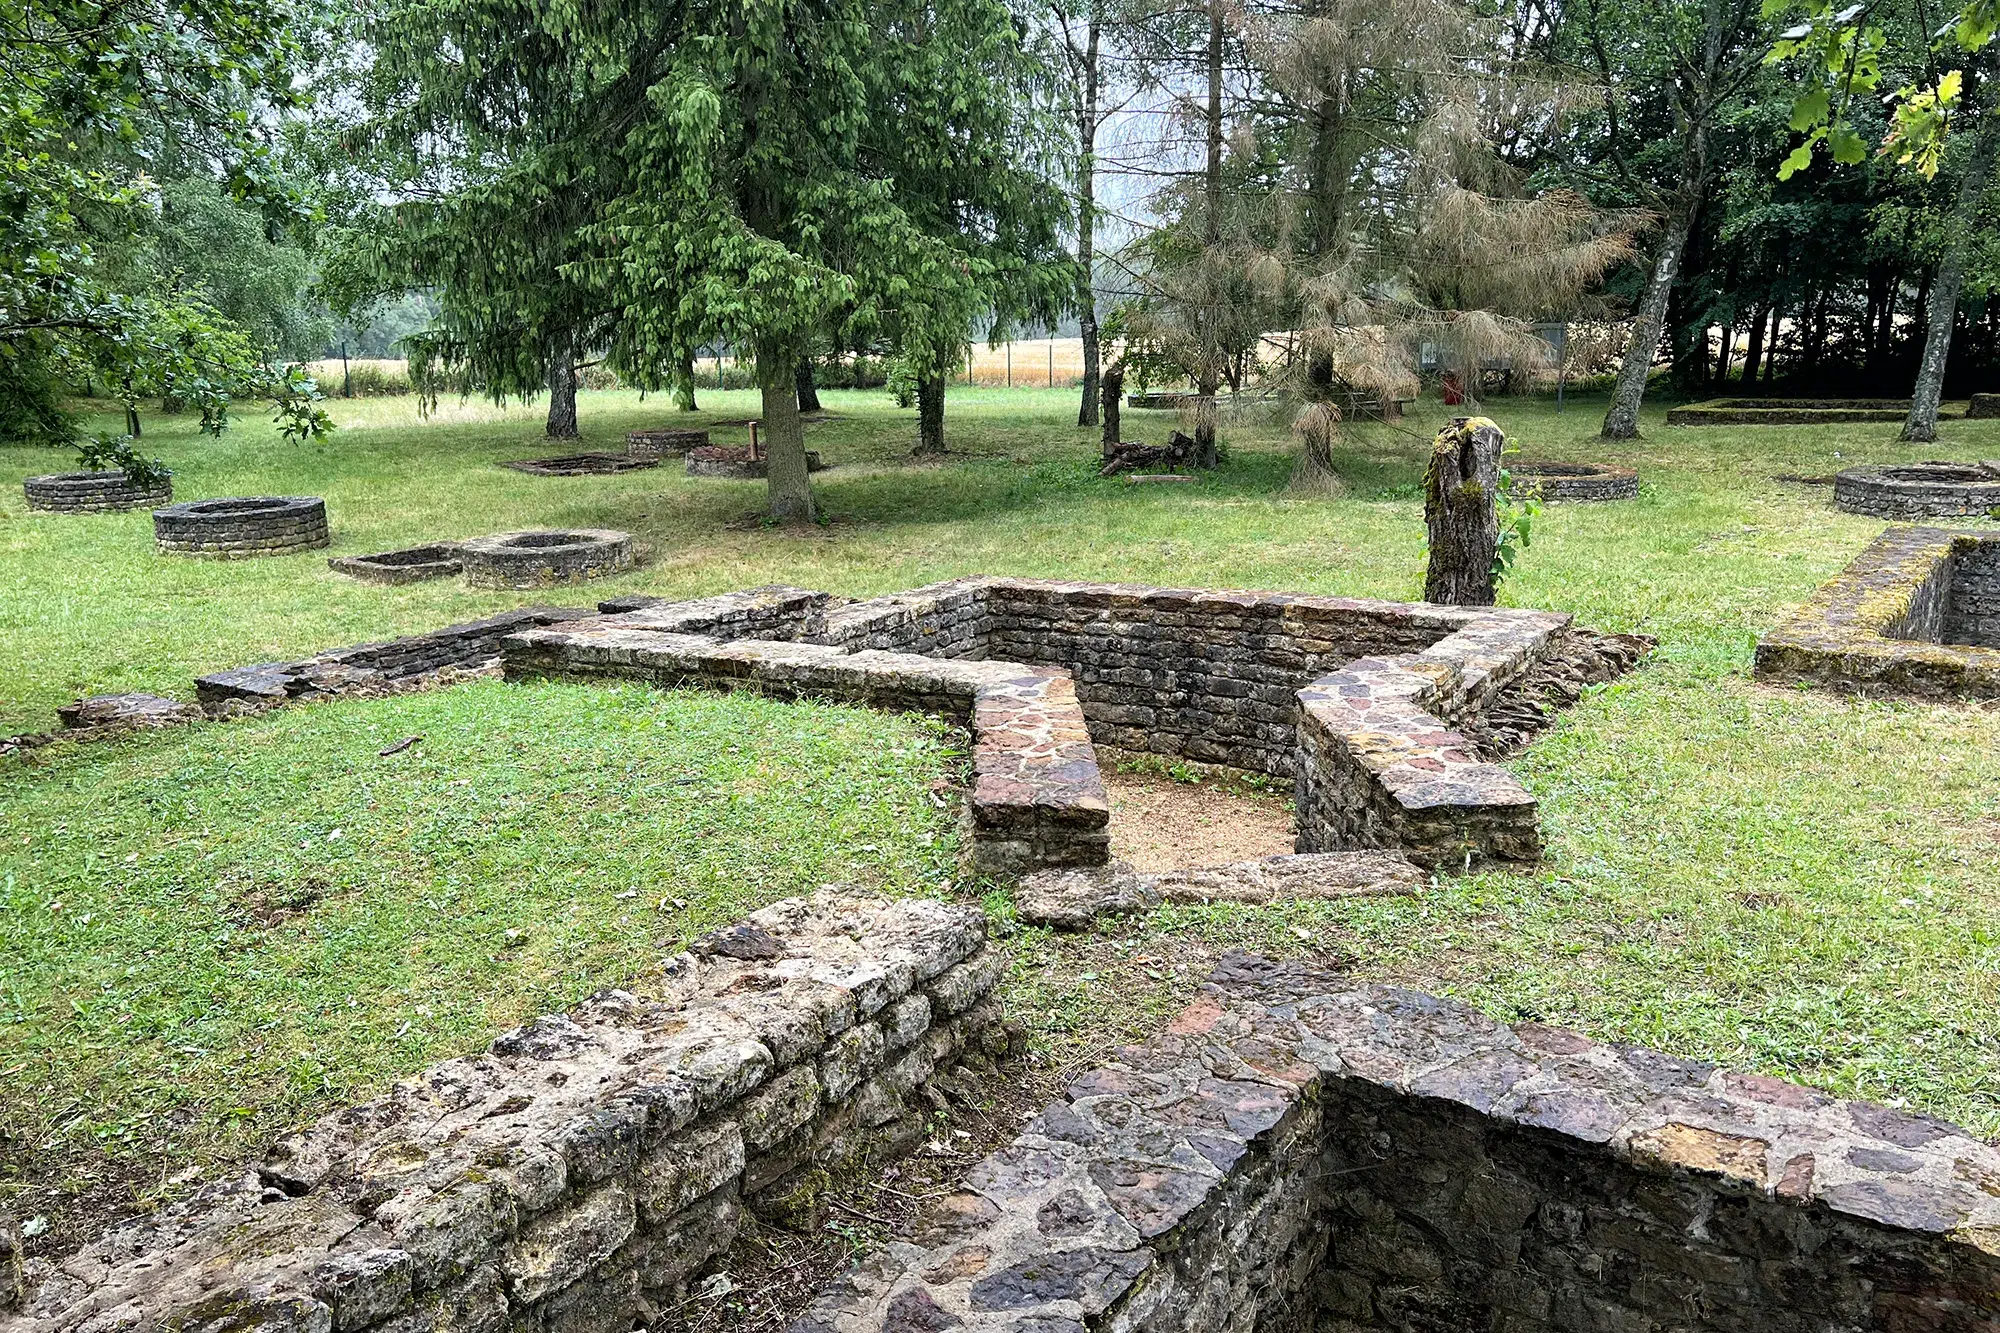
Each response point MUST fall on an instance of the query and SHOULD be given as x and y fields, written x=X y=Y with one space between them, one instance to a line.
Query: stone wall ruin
x=1356 y=700
x=1300 y=1152
x=570 y=1179
x=1917 y=613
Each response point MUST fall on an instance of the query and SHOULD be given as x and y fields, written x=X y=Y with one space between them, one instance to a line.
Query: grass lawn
x=1777 y=879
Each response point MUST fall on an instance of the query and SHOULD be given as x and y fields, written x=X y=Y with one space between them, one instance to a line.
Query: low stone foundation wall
x=1972 y=616
x=734 y=463
x=1356 y=699
x=1582 y=482
x=541 y=558
x=1298 y=1152
x=1037 y=799
x=664 y=443
x=411 y=564
x=1077 y=899
x=1913 y=615
x=583 y=465
x=1788 y=411
x=93 y=492
x=572 y=1178
x=365 y=667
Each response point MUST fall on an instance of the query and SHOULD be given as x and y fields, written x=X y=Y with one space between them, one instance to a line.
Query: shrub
x=108 y=454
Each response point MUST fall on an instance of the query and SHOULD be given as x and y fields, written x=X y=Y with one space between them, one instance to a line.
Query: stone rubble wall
x=290 y=523
x=1300 y=1152
x=1851 y=635
x=471 y=645
x=93 y=492
x=1973 y=616
x=1037 y=798
x=1355 y=699
x=1380 y=766
x=771 y=612
x=572 y=1178
x=1588 y=483
x=1077 y=899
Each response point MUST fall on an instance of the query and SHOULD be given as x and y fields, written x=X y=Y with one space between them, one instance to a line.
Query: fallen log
x=1124 y=457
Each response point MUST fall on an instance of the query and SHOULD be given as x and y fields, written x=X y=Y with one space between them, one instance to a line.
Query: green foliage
x=1519 y=506
x=106 y=453
x=93 y=94
x=33 y=409
x=1842 y=55
x=902 y=383
x=297 y=413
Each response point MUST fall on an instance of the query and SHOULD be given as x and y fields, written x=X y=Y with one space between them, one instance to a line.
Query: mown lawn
x=1778 y=879
x=212 y=932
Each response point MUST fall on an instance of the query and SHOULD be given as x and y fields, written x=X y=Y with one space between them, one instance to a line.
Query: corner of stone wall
x=575 y=1176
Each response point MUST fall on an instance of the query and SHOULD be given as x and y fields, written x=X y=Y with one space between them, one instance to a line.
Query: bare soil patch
x=1161 y=823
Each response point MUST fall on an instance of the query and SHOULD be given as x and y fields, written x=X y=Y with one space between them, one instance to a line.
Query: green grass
x=1778 y=879
x=216 y=931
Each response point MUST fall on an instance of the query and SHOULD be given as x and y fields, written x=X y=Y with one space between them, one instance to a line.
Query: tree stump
x=1461 y=497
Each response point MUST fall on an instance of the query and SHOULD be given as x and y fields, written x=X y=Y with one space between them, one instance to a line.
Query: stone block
x=558 y=1248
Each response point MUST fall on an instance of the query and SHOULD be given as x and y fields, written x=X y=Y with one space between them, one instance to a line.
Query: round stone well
x=241 y=527
x=538 y=559
x=1938 y=489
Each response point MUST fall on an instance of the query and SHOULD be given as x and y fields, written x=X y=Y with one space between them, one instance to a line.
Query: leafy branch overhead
x=1841 y=52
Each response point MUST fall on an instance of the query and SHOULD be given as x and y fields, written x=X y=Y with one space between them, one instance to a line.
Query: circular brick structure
x=1575 y=481
x=93 y=492
x=536 y=559
x=1919 y=490
x=242 y=527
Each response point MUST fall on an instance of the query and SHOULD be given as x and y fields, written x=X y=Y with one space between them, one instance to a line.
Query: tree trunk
x=784 y=439
x=1622 y=421
x=808 y=391
x=1323 y=183
x=1728 y=355
x=1086 y=229
x=1921 y=428
x=1113 y=394
x=684 y=384
x=1461 y=514
x=562 y=390
x=1207 y=381
x=930 y=414
x=1753 y=351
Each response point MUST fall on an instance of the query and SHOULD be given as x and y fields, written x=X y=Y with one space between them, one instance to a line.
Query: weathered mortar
x=573 y=1177
x=1299 y=1152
